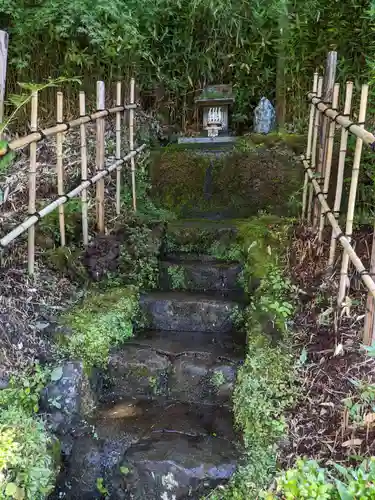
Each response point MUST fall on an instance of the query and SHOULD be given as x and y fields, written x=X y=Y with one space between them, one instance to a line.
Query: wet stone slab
x=196 y=439
x=189 y=312
x=192 y=375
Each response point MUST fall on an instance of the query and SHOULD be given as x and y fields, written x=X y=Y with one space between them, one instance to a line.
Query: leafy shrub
x=27 y=465
x=309 y=480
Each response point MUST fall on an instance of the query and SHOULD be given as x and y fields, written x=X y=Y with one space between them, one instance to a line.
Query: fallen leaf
x=352 y=442
x=339 y=350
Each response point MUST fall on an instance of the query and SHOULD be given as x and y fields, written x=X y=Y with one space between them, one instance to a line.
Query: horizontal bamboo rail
x=33 y=219
x=64 y=127
x=364 y=274
x=366 y=136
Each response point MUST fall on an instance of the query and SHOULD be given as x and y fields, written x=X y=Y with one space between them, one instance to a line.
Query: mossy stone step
x=199 y=235
x=199 y=274
x=190 y=312
x=147 y=371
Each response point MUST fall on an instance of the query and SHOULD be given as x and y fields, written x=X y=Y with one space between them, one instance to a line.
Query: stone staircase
x=164 y=428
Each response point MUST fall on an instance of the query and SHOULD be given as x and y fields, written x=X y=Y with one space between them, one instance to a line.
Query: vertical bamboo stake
x=59 y=166
x=309 y=144
x=328 y=158
x=118 y=149
x=327 y=94
x=369 y=328
x=100 y=130
x=85 y=225
x=4 y=39
x=32 y=184
x=352 y=196
x=313 y=150
x=131 y=142
x=340 y=170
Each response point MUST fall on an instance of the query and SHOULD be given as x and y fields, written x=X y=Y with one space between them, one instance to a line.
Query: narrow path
x=165 y=430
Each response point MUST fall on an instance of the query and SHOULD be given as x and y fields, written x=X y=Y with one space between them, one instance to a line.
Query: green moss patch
x=178 y=179
x=104 y=320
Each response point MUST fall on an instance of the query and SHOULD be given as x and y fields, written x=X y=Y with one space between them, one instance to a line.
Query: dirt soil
x=334 y=420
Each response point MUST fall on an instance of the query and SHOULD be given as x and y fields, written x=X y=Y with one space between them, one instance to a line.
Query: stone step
x=191 y=312
x=198 y=235
x=162 y=366
x=150 y=450
x=199 y=274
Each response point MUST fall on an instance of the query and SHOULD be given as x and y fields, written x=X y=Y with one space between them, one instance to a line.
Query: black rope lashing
x=340 y=235
x=41 y=133
x=352 y=124
x=87 y=180
x=36 y=214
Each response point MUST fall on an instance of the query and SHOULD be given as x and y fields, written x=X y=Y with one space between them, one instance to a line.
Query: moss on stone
x=103 y=320
x=178 y=178
x=254 y=176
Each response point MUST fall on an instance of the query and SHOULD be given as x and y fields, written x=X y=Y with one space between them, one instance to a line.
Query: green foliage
x=265 y=383
x=50 y=226
x=146 y=209
x=100 y=486
x=27 y=467
x=309 y=480
x=104 y=320
x=361 y=402
x=177 y=277
x=139 y=258
x=24 y=390
x=19 y=101
x=168 y=47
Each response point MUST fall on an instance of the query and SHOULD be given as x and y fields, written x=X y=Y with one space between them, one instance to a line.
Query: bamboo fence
x=315 y=208
x=59 y=130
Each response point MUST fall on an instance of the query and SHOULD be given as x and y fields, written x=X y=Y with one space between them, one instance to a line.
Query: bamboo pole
x=314 y=146
x=309 y=144
x=32 y=185
x=59 y=166
x=100 y=142
x=369 y=327
x=328 y=158
x=366 y=278
x=352 y=196
x=64 y=127
x=131 y=142
x=357 y=130
x=4 y=40
x=85 y=224
x=340 y=170
x=31 y=221
x=118 y=149
x=327 y=94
